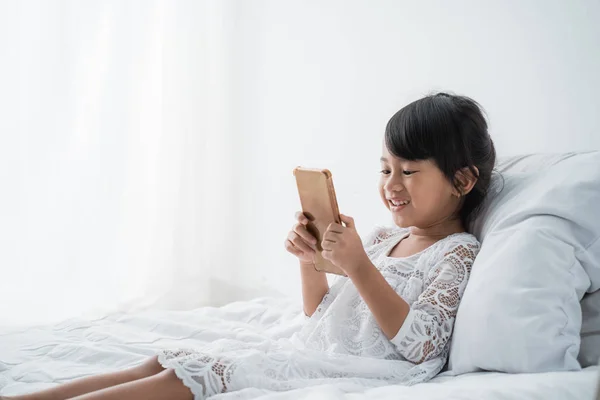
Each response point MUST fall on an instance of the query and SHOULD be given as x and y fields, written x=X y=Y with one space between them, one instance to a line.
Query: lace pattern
x=202 y=373
x=342 y=339
x=428 y=328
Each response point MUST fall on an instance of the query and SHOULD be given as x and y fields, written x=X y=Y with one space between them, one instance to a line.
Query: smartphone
x=319 y=204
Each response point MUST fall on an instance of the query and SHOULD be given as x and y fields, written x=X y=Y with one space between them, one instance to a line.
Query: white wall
x=116 y=161
x=316 y=81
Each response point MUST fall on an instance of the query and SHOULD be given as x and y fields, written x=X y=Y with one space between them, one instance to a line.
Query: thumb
x=348 y=221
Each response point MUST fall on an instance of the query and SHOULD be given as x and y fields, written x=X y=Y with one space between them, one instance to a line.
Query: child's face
x=427 y=195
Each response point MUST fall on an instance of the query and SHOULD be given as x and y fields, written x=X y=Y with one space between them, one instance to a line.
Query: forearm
x=314 y=287
x=388 y=308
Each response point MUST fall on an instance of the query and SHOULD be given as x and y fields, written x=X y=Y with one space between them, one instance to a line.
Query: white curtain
x=147 y=146
x=115 y=157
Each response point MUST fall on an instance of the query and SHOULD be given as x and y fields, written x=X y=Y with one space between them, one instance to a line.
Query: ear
x=465 y=180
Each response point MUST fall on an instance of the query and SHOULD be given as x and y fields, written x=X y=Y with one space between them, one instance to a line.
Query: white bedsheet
x=42 y=357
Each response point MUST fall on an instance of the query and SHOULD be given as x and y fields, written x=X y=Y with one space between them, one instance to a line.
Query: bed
x=549 y=200
x=44 y=356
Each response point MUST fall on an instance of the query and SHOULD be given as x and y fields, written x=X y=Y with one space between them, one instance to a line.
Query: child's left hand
x=343 y=247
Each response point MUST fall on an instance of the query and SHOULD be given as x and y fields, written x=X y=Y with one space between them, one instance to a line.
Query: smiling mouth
x=398 y=203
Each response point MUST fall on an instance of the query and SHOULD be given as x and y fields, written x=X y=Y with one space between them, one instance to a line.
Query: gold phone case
x=319 y=204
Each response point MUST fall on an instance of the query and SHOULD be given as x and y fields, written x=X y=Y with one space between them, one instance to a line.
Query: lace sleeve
x=428 y=325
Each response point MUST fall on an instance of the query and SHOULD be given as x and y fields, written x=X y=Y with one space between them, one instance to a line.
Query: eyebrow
x=398 y=158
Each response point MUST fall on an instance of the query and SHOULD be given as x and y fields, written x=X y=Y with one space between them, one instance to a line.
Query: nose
x=393 y=185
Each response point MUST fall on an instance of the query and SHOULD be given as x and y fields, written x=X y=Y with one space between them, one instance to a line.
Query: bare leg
x=163 y=386
x=92 y=383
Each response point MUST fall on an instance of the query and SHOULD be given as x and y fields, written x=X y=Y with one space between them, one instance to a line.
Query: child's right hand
x=300 y=242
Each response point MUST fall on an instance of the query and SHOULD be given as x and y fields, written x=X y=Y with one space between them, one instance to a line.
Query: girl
x=389 y=321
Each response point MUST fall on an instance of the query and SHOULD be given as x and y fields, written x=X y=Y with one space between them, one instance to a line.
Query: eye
x=385 y=172
x=408 y=173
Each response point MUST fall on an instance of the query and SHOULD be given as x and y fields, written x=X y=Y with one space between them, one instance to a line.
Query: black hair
x=453 y=132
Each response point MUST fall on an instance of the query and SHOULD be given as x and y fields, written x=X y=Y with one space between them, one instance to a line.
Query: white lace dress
x=341 y=341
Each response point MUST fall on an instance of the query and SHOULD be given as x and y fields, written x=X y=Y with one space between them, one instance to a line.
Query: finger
x=289 y=246
x=326 y=254
x=304 y=234
x=331 y=236
x=301 y=218
x=327 y=245
x=348 y=221
x=300 y=243
x=295 y=250
x=335 y=227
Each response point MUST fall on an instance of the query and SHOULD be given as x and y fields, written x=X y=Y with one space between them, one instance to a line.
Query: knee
x=168 y=375
x=149 y=367
x=177 y=390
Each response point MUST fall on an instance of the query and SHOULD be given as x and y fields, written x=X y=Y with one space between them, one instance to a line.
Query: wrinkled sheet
x=40 y=357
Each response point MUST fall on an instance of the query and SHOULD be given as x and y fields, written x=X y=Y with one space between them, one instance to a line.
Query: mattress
x=41 y=357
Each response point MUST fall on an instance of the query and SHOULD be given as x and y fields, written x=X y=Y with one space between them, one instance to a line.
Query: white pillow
x=540 y=253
